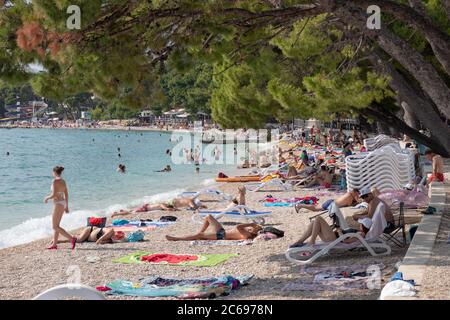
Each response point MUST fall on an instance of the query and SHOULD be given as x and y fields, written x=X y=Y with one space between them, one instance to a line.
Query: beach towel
x=131 y=226
x=202 y=260
x=341 y=269
x=289 y=202
x=189 y=288
x=339 y=278
x=379 y=222
x=337 y=285
x=221 y=242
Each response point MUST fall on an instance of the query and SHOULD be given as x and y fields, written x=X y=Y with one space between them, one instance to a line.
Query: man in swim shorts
x=438 y=166
x=346 y=200
x=245 y=231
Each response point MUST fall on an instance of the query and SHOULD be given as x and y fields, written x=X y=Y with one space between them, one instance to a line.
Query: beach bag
x=96 y=222
x=136 y=236
x=275 y=231
x=167 y=219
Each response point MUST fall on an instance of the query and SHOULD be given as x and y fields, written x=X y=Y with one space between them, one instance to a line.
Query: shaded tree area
x=272 y=58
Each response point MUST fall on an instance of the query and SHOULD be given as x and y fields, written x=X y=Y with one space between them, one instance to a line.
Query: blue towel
x=120 y=222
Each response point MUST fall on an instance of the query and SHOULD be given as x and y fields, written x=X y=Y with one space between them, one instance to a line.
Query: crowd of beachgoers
x=270 y=227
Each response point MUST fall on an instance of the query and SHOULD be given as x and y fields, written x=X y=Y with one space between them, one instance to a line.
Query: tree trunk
x=446 y=5
x=390 y=119
x=438 y=39
x=419 y=105
x=423 y=71
x=409 y=117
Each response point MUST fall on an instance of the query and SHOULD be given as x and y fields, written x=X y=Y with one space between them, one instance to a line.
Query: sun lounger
x=273 y=183
x=388 y=167
x=372 y=242
x=210 y=192
x=379 y=141
x=238 y=212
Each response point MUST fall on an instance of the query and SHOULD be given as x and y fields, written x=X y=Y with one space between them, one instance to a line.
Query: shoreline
x=263 y=259
x=191 y=187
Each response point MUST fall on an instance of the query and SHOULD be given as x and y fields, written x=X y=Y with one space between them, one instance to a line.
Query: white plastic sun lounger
x=309 y=254
x=210 y=192
x=373 y=243
x=272 y=183
x=70 y=290
x=238 y=212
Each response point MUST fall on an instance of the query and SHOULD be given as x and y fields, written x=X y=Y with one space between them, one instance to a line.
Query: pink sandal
x=52 y=247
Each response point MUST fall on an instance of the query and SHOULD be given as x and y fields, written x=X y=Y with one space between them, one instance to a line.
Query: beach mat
x=137 y=225
x=201 y=260
x=221 y=242
x=132 y=228
x=189 y=288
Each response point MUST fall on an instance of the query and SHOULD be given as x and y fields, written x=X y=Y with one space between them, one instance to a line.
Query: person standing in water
x=60 y=196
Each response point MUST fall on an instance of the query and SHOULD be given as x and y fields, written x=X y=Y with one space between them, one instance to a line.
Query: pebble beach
x=29 y=269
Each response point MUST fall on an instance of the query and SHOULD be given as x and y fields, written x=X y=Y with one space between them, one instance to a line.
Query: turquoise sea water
x=90 y=159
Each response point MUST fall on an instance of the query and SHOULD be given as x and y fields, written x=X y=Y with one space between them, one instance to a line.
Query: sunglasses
x=364 y=196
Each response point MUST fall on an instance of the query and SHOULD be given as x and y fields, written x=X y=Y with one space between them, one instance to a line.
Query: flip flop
x=74 y=242
x=53 y=247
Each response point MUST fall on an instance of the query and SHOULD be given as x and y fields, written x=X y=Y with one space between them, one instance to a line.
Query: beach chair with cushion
x=372 y=243
x=237 y=212
x=210 y=192
x=277 y=183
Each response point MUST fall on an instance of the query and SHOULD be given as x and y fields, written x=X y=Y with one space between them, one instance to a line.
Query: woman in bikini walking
x=60 y=196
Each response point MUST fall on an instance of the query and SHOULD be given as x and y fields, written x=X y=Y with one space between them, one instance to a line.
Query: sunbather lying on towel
x=245 y=231
x=346 y=200
x=95 y=234
x=171 y=205
x=320 y=228
x=145 y=208
x=367 y=195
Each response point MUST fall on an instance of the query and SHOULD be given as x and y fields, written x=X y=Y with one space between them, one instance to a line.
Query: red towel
x=169 y=258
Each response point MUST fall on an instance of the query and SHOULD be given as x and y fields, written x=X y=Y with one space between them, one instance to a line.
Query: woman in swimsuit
x=95 y=234
x=60 y=196
x=320 y=228
x=241 y=232
x=146 y=208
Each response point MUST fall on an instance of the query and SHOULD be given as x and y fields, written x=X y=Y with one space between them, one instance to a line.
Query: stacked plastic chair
x=388 y=167
x=379 y=141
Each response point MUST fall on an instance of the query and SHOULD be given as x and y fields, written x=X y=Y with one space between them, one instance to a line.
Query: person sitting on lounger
x=323 y=178
x=245 y=231
x=373 y=201
x=95 y=234
x=320 y=228
x=346 y=200
x=239 y=199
